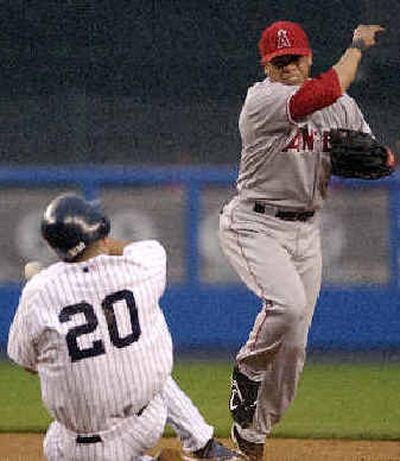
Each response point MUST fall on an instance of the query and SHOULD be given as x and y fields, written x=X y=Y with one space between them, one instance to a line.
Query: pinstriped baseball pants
x=280 y=261
x=185 y=418
x=126 y=441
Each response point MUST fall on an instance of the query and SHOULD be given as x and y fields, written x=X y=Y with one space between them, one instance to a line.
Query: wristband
x=359 y=44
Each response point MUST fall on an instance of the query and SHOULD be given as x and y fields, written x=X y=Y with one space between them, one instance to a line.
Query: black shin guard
x=243 y=399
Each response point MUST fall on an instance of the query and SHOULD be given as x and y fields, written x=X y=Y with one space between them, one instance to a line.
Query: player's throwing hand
x=366 y=35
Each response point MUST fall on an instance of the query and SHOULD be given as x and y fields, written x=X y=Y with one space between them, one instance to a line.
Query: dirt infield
x=28 y=447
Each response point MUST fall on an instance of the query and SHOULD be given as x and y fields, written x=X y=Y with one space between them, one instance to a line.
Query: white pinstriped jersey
x=95 y=333
x=285 y=163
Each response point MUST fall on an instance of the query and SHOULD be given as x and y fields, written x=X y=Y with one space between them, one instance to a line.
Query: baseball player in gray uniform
x=92 y=328
x=269 y=231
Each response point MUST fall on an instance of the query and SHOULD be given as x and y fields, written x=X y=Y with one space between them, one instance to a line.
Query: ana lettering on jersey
x=308 y=140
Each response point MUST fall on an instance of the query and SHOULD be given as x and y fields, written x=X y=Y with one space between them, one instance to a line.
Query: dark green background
x=188 y=54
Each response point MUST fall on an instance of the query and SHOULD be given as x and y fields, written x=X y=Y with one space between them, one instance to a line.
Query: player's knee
x=294 y=311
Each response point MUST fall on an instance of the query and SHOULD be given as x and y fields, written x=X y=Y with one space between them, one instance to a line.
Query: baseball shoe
x=253 y=451
x=215 y=451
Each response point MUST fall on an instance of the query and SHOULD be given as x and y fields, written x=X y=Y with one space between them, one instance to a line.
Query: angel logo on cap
x=283 y=39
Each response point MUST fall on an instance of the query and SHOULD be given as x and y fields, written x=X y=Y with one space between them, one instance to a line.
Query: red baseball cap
x=282 y=38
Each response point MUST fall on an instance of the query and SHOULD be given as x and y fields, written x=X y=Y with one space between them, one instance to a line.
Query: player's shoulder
x=145 y=249
x=267 y=91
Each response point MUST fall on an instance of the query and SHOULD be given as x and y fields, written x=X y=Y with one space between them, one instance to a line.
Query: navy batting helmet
x=70 y=224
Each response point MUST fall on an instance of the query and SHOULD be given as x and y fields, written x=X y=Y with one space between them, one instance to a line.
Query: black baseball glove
x=358 y=155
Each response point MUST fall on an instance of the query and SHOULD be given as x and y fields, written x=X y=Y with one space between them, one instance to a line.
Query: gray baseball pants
x=280 y=261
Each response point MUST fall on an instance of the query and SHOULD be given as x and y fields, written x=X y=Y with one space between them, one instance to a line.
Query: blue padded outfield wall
x=206 y=306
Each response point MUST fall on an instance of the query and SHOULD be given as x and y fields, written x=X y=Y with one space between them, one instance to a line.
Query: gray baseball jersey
x=96 y=335
x=283 y=162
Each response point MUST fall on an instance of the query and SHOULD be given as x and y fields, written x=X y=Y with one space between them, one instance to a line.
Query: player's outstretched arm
x=364 y=37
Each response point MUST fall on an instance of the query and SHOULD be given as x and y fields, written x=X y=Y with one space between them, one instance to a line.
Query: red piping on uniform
x=315 y=94
x=241 y=248
x=252 y=273
x=253 y=346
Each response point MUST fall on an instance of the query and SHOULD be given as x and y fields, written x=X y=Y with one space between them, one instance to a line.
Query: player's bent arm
x=150 y=254
x=317 y=93
x=346 y=67
x=363 y=38
x=320 y=92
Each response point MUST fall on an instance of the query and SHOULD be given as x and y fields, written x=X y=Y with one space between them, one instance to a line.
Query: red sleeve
x=315 y=94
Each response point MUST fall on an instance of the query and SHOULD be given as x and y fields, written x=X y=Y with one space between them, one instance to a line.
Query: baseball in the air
x=32 y=268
